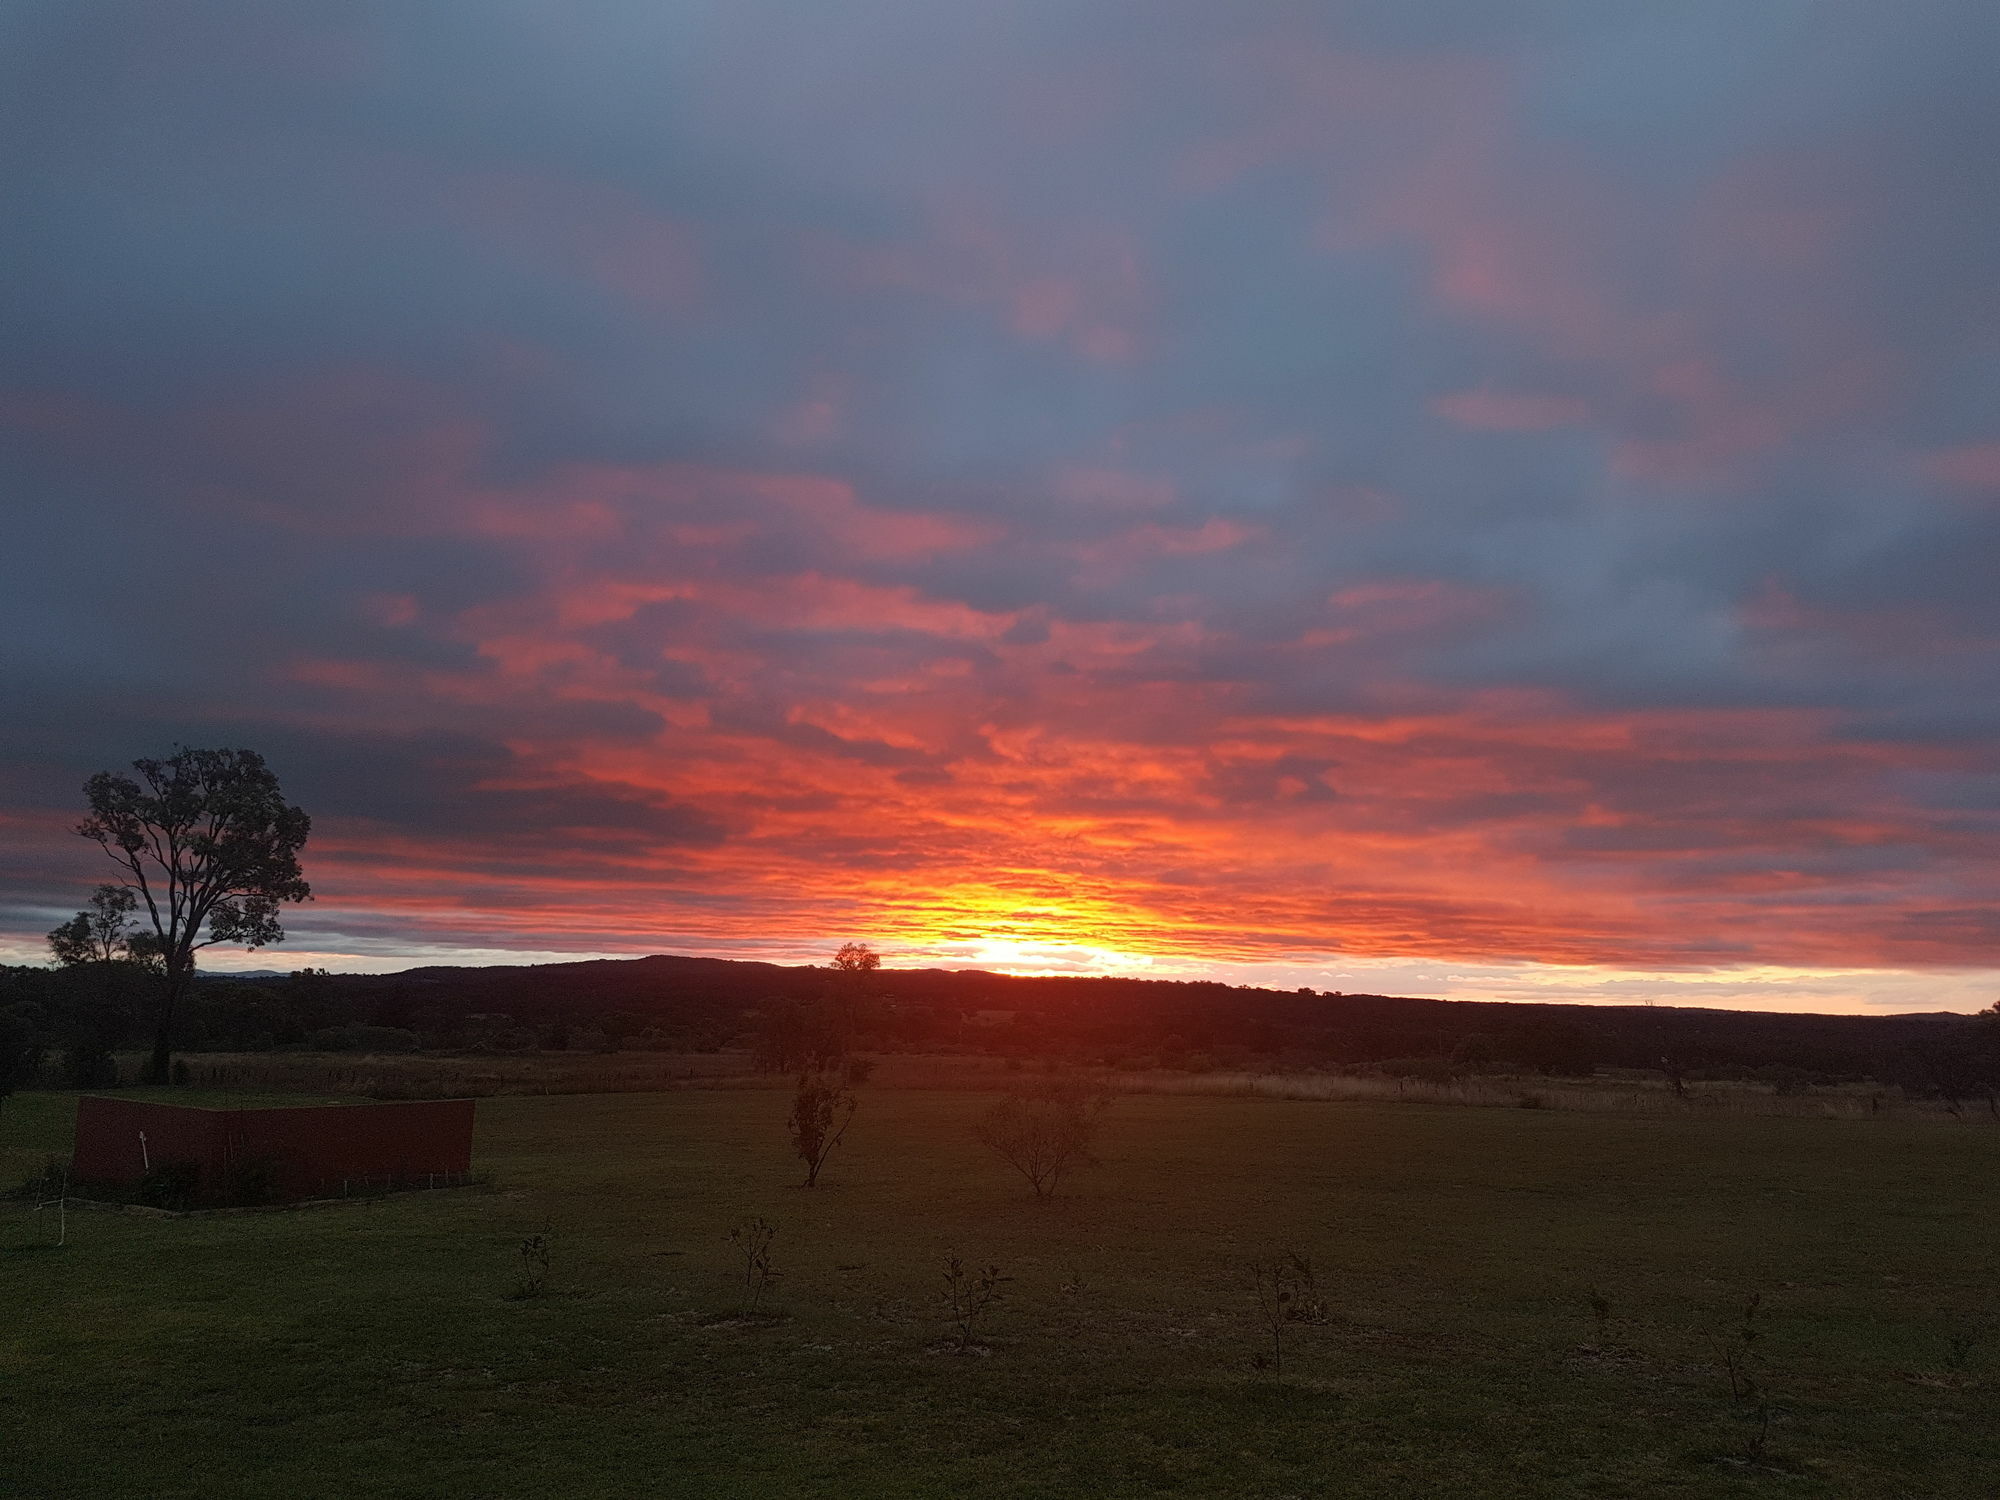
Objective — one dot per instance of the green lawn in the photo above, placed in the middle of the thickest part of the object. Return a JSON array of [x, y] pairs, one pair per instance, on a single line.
[[373, 1350]]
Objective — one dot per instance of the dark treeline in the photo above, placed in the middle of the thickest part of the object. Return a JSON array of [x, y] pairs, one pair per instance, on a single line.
[[789, 1015]]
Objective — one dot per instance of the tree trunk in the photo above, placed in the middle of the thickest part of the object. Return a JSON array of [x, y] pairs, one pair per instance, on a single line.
[[160, 1069]]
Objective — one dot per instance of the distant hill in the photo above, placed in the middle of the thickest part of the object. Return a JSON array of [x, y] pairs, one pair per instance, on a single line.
[[674, 1002], [714, 1001]]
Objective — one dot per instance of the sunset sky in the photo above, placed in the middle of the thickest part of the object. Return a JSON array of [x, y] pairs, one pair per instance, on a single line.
[[1474, 499]]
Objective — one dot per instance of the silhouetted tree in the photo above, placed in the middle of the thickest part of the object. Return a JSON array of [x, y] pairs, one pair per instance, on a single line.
[[799, 1036], [210, 850], [99, 934], [1961, 1064], [1982, 1049], [857, 958], [108, 971], [20, 1053], [236, 1016], [852, 1005], [1553, 1046], [1473, 1052], [815, 1036], [311, 996]]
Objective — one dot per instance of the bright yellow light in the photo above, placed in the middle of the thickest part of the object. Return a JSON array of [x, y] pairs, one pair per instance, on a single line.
[[1050, 958]]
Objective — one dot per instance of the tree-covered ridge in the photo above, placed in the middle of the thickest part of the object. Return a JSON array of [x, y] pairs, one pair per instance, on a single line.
[[794, 1014]]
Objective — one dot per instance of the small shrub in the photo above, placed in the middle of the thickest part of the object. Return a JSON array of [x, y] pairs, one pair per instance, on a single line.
[[1045, 1130], [50, 1180], [822, 1109], [172, 1185], [21, 1048], [1474, 1053], [1600, 1313], [1420, 1069], [88, 1067], [859, 1071], [1960, 1342], [1529, 1101], [251, 1182], [364, 1039], [536, 1253], [1785, 1079], [970, 1292], [752, 1239], [180, 1073]]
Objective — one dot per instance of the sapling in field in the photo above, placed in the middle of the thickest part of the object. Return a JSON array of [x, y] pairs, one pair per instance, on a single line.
[[532, 1279], [1741, 1364], [1287, 1292], [1046, 1130], [1964, 1337], [1600, 1313], [752, 1239], [822, 1109], [1734, 1352], [969, 1294]]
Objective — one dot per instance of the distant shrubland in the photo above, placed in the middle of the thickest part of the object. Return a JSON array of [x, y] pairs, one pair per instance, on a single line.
[[784, 1020]]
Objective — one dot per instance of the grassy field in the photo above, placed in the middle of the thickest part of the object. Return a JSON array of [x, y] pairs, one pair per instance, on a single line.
[[439, 1076], [375, 1350]]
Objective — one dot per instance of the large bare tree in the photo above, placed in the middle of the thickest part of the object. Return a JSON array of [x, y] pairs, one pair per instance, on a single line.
[[210, 848]]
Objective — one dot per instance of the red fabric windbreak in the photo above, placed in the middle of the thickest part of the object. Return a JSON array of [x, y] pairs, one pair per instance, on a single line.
[[302, 1152]]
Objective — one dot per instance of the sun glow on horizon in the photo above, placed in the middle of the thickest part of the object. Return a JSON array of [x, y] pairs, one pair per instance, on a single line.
[[1030, 957]]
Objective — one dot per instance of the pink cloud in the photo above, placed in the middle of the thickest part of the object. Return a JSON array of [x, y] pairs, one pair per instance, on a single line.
[[1114, 489], [1974, 467], [1043, 308], [601, 233], [1080, 283], [1488, 410]]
